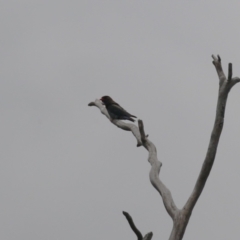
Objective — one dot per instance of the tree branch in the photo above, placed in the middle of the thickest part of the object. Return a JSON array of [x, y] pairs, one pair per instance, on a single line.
[[225, 86], [229, 71], [156, 165], [217, 63], [154, 173], [132, 225], [180, 217], [148, 236]]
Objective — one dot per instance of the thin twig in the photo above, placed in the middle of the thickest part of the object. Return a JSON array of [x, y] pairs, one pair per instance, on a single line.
[[229, 71], [132, 225]]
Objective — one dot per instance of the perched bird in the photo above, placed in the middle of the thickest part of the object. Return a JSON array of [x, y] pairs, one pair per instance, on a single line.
[[115, 110]]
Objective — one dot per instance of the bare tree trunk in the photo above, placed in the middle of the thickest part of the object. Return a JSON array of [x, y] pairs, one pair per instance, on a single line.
[[181, 217]]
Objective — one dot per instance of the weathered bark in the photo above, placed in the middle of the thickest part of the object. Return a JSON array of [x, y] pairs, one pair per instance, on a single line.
[[181, 217], [225, 85], [156, 165], [154, 174]]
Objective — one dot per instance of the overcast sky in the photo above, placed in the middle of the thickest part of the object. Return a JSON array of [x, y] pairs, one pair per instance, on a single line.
[[67, 172]]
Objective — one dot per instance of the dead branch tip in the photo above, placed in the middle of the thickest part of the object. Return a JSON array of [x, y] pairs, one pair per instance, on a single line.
[[229, 71], [148, 236], [132, 225], [91, 104]]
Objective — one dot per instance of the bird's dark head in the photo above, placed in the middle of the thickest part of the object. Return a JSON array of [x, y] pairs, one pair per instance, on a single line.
[[106, 100]]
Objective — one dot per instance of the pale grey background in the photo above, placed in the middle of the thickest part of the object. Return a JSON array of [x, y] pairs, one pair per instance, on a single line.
[[66, 172]]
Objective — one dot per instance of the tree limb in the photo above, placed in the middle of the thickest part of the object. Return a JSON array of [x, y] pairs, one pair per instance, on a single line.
[[229, 72], [217, 63], [148, 236], [154, 173], [156, 165], [225, 86], [132, 225], [180, 217]]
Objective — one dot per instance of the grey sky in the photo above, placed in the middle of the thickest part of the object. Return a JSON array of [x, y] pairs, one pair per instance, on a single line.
[[66, 172]]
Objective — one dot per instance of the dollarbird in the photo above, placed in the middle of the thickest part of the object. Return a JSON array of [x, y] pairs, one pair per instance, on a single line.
[[115, 110]]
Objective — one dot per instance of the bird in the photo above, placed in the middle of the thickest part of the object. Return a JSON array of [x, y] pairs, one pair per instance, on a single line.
[[115, 110]]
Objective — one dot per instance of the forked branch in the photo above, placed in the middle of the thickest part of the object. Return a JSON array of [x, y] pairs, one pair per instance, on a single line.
[[148, 236], [225, 85], [180, 217], [132, 225]]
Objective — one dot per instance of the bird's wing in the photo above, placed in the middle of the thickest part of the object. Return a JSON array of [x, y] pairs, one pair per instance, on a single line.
[[118, 110]]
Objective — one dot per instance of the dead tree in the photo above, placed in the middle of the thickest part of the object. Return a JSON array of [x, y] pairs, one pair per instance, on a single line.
[[180, 217]]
